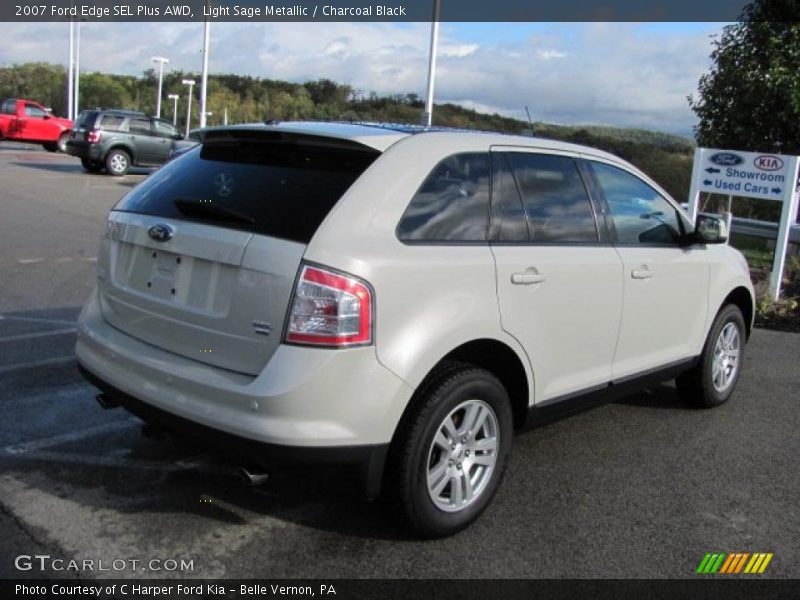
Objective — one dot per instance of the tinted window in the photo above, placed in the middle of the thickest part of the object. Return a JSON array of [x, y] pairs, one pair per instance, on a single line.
[[85, 120], [164, 130], [34, 111], [452, 204], [138, 126], [9, 107], [554, 197], [640, 215], [508, 216], [286, 185], [113, 123]]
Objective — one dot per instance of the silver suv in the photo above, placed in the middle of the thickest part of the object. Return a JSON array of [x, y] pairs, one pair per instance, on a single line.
[[403, 301]]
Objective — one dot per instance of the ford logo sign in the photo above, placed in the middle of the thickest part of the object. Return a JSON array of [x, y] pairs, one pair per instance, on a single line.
[[161, 232], [726, 159]]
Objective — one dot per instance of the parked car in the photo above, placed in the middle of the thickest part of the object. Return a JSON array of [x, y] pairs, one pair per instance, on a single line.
[[355, 294], [28, 121], [117, 140]]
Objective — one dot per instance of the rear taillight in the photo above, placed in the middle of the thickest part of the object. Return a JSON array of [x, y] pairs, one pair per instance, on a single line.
[[330, 309], [93, 136]]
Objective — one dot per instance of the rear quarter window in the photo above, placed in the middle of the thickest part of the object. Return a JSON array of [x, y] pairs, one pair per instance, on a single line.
[[111, 122], [285, 184], [452, 205]]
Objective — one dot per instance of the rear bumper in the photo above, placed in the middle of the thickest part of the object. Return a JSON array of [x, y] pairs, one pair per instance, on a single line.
[[368, 459], [308, 405], [84, 150]]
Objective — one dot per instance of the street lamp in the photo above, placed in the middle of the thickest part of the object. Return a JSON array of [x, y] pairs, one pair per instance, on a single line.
[[161, 62], [427, 118], [190, 83], [174, 98]]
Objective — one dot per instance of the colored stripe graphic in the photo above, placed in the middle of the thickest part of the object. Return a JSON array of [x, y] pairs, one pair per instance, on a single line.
[[734, 563]]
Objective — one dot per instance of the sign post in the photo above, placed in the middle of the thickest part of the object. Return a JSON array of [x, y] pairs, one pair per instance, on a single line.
[[750, 175]]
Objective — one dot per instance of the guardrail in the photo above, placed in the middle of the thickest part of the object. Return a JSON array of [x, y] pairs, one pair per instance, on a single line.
[[763, 229]]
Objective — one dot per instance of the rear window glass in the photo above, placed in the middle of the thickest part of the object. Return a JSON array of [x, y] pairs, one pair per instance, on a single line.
[[273, 184]]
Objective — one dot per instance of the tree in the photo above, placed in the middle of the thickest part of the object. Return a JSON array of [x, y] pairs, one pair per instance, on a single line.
[[750, 100]]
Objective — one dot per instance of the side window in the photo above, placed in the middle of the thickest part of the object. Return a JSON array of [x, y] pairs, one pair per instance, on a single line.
[[164, 130], [555, 199], [9, 107], [508, 216], [112, 122], [139, 126], [34, 111], [453, 203], [639, 213]]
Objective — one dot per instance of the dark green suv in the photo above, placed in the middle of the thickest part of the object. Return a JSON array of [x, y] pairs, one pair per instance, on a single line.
[[116, 140]]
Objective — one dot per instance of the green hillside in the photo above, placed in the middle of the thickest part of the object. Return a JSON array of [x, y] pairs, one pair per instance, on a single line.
[[666, 158]]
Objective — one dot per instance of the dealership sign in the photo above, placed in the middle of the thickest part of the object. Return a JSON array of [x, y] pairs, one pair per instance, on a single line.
[[747, 174], [750, 175]]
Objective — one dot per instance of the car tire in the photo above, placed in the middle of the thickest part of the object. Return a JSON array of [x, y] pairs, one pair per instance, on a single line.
[[441, 472], [61, 144], [118, 162], [92, 166], [713, 380]]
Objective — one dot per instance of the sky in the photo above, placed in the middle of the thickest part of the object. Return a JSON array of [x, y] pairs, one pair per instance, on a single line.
[[622, 74]]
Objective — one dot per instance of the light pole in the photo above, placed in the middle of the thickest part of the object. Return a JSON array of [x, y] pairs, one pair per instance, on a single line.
[[161, 62], [190, 83], [204, 77], [428, 117], [71, 73], [76, 104], [174, 98]]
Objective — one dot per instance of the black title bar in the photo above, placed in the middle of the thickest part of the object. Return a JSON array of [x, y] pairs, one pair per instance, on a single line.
[[371, 10]]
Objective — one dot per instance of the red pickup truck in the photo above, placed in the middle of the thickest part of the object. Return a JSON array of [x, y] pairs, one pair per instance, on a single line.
[[27, 121]]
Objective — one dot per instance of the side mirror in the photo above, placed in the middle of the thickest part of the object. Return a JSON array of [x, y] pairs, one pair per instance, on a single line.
[[709, 229]]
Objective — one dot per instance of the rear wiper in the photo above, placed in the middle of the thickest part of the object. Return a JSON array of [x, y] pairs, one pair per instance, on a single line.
[[210, 208]]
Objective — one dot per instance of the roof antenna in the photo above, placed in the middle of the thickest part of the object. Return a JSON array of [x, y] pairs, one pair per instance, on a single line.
[[530, 122]]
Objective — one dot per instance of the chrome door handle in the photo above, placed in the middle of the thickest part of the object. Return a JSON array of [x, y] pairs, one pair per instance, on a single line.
[[643, 273], [529, 277]]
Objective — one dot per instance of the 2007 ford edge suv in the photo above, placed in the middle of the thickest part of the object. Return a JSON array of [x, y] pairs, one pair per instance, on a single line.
[[403, 301]]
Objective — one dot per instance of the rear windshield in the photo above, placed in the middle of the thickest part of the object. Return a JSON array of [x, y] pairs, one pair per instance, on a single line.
[[86, 119], [273, 184]]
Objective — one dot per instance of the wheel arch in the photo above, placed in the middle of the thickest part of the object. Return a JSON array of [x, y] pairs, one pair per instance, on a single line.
[[120, 146], [498, 358], [742, 298]]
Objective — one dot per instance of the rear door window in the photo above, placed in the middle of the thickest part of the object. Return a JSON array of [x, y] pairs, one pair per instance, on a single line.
[[280, 185], [555, 199], [9, 107], [139, 126], [452, 205]]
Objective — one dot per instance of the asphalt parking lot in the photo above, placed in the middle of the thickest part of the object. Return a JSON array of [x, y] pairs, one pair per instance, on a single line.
[[643, 487]]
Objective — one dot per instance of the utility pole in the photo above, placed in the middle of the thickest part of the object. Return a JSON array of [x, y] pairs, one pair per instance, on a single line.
[[76, 104]]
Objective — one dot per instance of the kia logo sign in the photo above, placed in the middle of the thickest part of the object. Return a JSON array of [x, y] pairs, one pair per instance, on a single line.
[[768, 162], [726, 159], [161, 232]]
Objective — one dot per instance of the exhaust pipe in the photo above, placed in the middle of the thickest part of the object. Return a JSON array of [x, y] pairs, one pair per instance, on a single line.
[[105, 401], [252, 477]]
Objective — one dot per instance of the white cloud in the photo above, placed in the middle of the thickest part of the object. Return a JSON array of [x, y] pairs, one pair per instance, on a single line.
[[621, 74]]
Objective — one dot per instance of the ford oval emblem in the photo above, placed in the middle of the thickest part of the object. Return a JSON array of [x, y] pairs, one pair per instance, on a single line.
[[726, 159], [161, 232]]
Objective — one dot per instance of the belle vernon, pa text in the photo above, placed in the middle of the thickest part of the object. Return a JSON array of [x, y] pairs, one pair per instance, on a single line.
[[209, 590]]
